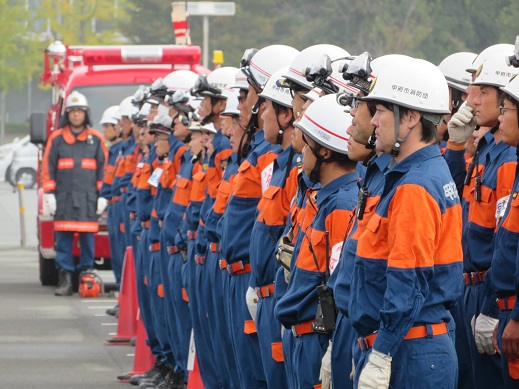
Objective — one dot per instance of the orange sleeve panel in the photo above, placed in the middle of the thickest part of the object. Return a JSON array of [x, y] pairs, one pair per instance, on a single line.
[[109, 174], [199, 186], [416, 227], [177, 160], [265, 160], [169, 175], [49, 164], [247, 183], [505, 179], [273, 207], [120, 168]]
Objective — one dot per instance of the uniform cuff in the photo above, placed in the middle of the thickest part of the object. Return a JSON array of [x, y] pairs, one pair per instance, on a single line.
[[454, 146], [515, 312], [489, 307], [387, 343]]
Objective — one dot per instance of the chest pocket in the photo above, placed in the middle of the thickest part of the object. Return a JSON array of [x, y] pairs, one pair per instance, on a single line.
[[199, 186], [224, 192], [483, 212], [247, 183], [271, 210], [182, 191]]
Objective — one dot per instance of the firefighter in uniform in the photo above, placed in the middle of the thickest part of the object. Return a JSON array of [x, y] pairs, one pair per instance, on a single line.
[[503, 272], [72, 171], [408, 265]]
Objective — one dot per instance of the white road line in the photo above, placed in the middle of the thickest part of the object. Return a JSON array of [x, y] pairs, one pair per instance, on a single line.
[[108, 324], [101, 307]]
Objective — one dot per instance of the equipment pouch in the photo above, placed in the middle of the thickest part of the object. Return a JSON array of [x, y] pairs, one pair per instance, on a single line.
[[326, 314]]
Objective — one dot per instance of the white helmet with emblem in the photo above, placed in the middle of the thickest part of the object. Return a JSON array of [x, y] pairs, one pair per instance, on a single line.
[[111, 115], [276, 89], [76, 100], [495, 72]]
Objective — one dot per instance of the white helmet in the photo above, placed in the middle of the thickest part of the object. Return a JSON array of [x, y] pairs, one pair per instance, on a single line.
[[221, 78], [495, 72], [145, 110], [512, 89], [126, 108], [262, 64], [491, 51], [111, 115], [412, 83], [454, 68], [307, 57], [180, 80], [76, 100], [161, 124], [276, 89], [326, 123], [208, 127], [240, 81], [231, 108]]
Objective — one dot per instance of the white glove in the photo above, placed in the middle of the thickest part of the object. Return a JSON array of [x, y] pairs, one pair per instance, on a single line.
[[376, 373], [462, 124], [252, 302], [325, 374], [49, 204], [483, 331], [101, 205]]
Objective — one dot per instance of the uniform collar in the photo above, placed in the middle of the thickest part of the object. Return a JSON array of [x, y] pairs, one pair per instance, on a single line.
[[497, 149], [335, 185], [282, 159], [70, 138], [381, 161], [421, 155], [257, 138]]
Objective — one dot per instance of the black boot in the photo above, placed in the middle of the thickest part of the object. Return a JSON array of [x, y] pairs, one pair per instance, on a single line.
[[64, 284]]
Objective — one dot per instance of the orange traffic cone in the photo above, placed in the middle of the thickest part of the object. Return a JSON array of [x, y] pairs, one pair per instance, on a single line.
[[194, 381], [143, 359], [127, 322]]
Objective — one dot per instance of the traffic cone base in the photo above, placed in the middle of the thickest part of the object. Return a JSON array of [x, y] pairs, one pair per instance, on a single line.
[[143, 359], [194, 381], [127, 321]]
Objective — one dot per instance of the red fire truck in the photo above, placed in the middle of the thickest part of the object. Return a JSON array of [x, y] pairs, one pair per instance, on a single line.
[[105, 75]]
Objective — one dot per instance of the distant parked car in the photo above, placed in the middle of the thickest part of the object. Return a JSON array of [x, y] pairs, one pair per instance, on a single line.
[[24, 164], [6, 158]]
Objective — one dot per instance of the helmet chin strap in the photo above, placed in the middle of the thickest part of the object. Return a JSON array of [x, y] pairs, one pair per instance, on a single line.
[[371, 141], [399, 141], [246, 139]]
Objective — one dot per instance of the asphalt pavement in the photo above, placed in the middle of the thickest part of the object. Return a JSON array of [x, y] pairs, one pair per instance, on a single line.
[[48, 341]]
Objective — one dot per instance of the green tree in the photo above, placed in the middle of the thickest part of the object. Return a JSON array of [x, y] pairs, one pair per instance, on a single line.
[[76, 22], [18, 52]]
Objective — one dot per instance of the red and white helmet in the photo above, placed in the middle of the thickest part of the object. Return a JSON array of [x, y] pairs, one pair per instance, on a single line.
[[261, 65], [240, 81], [309, 56], [326, 122], [180, 80], [454, 68]]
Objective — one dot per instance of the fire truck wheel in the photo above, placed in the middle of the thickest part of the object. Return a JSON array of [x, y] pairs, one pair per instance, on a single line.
[[48, 272]]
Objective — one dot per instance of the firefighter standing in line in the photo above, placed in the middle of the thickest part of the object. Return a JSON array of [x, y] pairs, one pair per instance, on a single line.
[[408, 265], [73, 168]]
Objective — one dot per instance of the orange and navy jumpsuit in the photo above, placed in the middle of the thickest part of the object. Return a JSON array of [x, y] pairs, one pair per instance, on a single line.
[[303, 209], [157, 276], [273, 210], [407, 273], [114, 152], [343, 336], [319, 248], [253, 178], [220, 283], [73, 168], [206, 271], [494, 165], [504, 278]]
